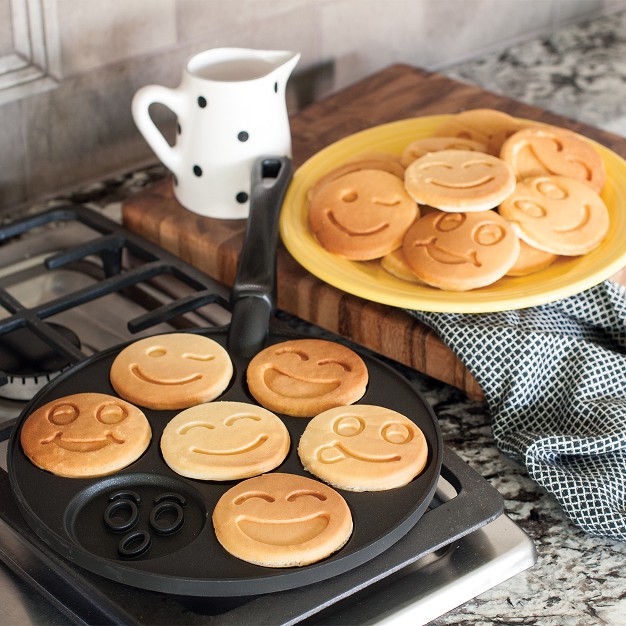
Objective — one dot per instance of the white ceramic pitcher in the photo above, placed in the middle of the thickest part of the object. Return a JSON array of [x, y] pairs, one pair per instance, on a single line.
[[231, 109]]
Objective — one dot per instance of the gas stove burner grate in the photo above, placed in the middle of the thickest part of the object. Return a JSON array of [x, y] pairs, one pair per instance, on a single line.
[[121, 262], [29, 362]]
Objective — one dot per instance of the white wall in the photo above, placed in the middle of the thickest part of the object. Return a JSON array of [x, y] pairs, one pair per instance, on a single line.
[[69, 68]]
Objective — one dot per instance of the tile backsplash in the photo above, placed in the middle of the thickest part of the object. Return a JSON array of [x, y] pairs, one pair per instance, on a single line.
[[68, 70]]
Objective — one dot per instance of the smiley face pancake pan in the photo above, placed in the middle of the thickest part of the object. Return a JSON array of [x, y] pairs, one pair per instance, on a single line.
[[149, 527]]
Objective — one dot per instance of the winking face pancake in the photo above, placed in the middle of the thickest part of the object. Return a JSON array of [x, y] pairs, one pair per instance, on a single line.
[[362, 216], [172, 371]]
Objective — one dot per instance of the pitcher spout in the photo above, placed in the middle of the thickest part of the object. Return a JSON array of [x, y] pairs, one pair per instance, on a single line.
[[284, 62]]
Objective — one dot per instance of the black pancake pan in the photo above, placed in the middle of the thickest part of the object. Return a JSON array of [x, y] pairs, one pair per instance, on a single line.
[[148, 527]]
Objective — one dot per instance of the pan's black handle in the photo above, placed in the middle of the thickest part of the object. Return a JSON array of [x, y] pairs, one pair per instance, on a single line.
[[253, 293]]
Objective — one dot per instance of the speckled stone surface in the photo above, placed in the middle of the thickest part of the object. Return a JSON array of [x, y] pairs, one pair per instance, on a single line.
[[578, 72], [578, 580]]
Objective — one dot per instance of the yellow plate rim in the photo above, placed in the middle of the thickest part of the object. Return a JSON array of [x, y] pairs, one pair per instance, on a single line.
[[368, 280]]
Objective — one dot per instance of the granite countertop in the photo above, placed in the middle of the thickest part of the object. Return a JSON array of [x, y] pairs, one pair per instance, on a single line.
[[578, 72]]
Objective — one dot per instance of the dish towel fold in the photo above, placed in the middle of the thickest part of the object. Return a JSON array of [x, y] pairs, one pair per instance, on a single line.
[[554, 379]]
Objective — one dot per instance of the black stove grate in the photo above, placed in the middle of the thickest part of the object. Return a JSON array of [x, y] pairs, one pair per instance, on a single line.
[[112, 244]]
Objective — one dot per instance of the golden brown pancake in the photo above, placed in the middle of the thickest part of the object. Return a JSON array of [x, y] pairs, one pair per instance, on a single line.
[[85, 434], [459, 180], [559, 215], [282, 520], [303, 377], [362, 215], [461, 251], [363, 448], [224, 441], [554, 151], [171, 371]]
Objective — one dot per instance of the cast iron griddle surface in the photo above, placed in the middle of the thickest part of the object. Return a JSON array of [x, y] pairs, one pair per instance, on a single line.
[[68, 513]]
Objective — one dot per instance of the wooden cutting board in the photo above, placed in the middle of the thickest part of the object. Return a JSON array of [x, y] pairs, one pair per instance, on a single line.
[[397, 92]]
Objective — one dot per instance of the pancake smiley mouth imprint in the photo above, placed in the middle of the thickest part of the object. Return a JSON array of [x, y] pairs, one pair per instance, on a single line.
[[82, 445]]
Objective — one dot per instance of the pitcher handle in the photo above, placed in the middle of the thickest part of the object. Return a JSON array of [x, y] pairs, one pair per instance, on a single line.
[[174, 100]]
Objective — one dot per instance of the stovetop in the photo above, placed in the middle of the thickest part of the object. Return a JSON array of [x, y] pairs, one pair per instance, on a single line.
[[73, 283]]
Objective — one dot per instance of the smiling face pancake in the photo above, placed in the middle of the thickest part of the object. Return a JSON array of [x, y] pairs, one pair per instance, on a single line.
[[224, 441], [85, 434], [554, 151], [461, 251], [459, 180], [303, 377], [172, 371], [363, 448], [558, 215], [362, 215], [282, 520]]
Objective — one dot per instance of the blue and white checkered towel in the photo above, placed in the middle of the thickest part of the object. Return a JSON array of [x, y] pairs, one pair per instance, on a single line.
[[554, 378]]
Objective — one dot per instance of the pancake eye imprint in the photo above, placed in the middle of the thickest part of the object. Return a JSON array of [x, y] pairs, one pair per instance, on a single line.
[[185, 429], [437, 164], [250, 496], [302, 494], [299, 353], [111, 413], [558, 146], [350, 196], [63, 414], [387, 201], [529, 208], [489, 234], [551, 190], [229, 421], [450, 221], [397, 433], [349, 426], [205, 358], [344, 366], [156, 352], [469, 164]]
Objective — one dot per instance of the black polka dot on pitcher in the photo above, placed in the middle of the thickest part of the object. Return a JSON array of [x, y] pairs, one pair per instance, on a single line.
[[202, 102], [179, 130], [197, 170], [243, 136], [241, 197], [275, 87]]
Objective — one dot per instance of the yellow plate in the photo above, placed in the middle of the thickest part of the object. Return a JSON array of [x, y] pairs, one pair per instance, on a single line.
[[368, 280]]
